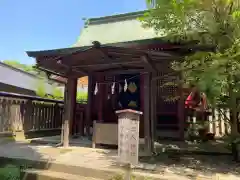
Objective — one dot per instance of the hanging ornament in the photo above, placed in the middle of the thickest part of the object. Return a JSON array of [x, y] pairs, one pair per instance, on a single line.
[[113, 88], [125, 86], [132, 87], [96, 89], [120, 88]]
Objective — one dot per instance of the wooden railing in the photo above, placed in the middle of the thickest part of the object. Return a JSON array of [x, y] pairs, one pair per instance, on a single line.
[[217, 121], [29, 113]]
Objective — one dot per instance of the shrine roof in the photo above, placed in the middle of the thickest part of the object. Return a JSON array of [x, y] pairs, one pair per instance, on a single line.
[[115, 29], [98, 58]]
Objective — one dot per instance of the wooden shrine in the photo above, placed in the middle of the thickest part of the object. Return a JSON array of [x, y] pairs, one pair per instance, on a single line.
[[144, 68]]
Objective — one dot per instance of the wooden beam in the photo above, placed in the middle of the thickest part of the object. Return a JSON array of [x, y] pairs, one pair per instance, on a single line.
[[73, 106], [89, 104], [153, 109], [120, 70], [69, 100], [149, 63], [106, 64], [100, 95], [159, 53], [181, 108], [50, 71], [56, 68], [155, 78], [146, 114], [69, 68]]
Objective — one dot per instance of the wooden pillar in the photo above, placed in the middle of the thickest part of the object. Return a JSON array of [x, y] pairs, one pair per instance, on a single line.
[[73, 122], [141, 126], [181, 117], [101, 95], [153, 109], [89, 104], [69, 100], [146, 115]]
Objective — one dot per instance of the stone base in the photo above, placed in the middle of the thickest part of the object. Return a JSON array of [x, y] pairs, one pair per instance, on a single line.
[[19, 136]]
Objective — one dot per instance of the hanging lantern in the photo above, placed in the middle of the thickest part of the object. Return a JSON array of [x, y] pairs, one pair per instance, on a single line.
[[125, 86], [113, 88], [96, 89]]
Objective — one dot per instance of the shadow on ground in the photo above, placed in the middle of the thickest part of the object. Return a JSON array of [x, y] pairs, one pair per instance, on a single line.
[[189, 162], [190, 159], [178, 159], [17, 156]]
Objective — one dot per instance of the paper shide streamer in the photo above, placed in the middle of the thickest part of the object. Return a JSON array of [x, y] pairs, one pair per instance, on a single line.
[[125, 86], [96, 89]]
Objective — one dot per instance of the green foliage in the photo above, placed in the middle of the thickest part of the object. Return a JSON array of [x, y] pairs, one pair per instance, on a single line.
[[57, 94], [208, 22], [214, 22], [9, 172], [82, 96], [41, 91]]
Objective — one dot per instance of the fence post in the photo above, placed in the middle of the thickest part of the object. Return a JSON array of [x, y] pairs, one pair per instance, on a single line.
[[57, 117], [210, 126], [217, 122], [5, 113]]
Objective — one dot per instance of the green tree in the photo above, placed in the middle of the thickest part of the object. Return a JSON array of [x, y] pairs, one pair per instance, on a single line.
[[210, 23], [41, 90]]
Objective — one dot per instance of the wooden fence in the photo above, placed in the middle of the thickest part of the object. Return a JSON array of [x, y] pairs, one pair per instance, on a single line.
[[28, 113], [217, 121]]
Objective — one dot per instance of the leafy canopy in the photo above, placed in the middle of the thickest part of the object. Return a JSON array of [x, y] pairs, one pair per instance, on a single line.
[[215, 22], [209, 22]]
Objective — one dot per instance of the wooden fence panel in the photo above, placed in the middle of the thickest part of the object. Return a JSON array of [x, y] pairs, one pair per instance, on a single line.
[[28, 115], [217, 121]]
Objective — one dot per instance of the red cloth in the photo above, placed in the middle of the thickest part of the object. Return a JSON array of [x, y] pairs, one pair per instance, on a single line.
[[190, 103]]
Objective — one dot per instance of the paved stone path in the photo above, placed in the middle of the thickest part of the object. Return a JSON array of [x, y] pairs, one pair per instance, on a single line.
[[167, 167]]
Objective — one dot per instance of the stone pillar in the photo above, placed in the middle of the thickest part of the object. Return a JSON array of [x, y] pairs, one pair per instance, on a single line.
[[128, 136]]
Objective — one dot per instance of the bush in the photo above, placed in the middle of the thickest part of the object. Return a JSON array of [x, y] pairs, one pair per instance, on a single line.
[[10, 172]]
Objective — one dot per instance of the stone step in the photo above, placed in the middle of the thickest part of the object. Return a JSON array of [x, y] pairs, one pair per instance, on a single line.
[[34, 174]]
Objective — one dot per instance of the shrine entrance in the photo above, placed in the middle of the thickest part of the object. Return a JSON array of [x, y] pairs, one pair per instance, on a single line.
[[129, 93]]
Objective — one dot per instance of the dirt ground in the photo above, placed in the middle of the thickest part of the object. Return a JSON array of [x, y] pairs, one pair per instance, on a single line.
[[193, 166]]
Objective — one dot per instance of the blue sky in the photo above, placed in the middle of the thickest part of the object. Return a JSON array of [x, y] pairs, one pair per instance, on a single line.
[[49, 24]]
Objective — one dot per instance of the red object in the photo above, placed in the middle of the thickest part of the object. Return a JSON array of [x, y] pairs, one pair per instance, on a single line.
[[188, 101]]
